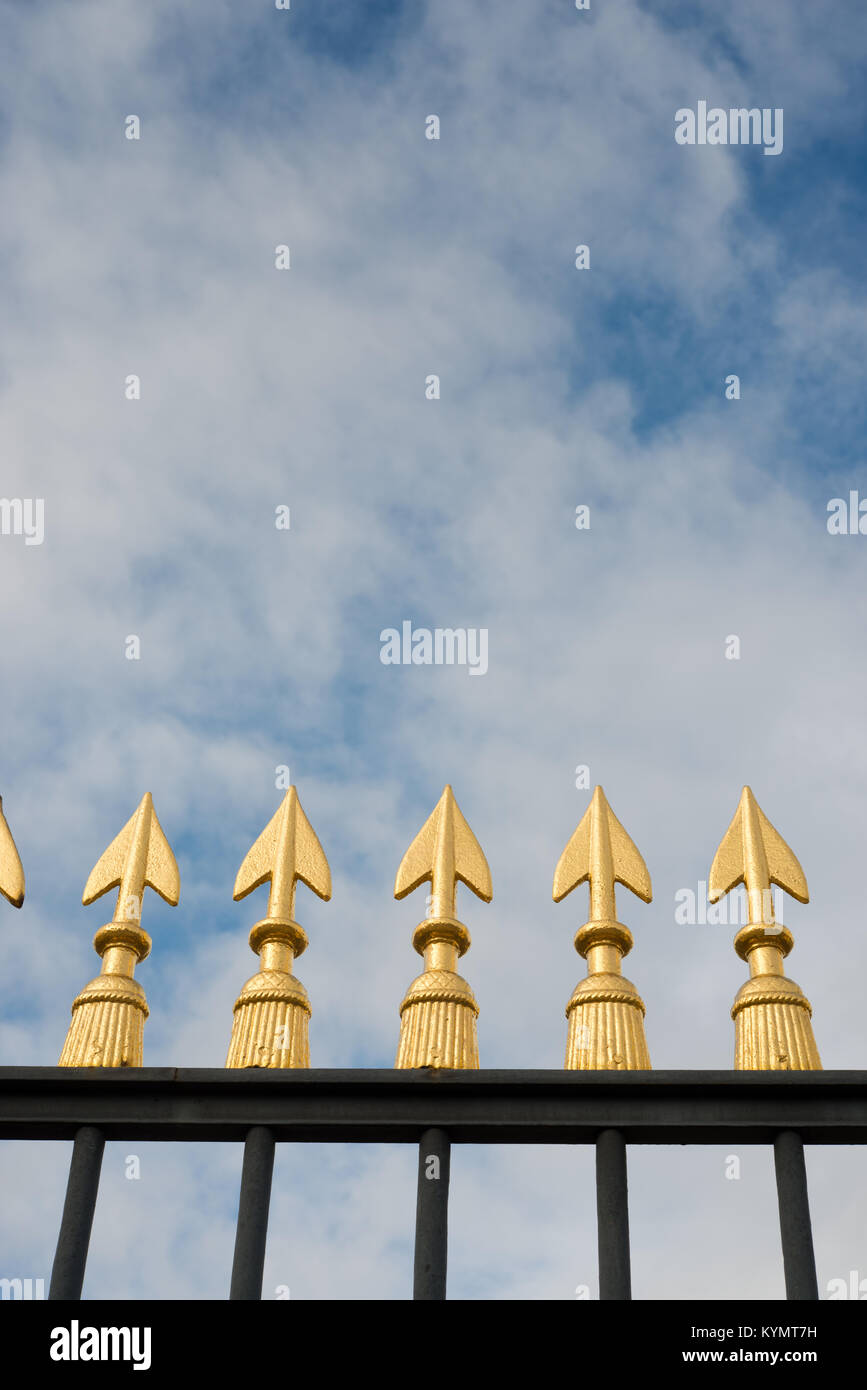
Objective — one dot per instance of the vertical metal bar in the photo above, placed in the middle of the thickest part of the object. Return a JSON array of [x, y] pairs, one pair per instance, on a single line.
[[432, 1216], [612, 1216], [799, 1262], [70, 1257], [252, 1229]]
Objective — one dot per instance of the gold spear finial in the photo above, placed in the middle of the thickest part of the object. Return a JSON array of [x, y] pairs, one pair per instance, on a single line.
[[772, 1016], [600, 850], [11, 872], [139, 857], [445, 852], [606, 1012], [439, 1012], [272, 1012], [108, 1016]]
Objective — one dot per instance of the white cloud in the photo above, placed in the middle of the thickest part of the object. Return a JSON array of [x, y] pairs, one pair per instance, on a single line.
[[262, 647]]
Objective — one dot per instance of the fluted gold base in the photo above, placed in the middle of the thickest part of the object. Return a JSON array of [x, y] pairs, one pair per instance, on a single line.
[[773, 1031], [606, 1012], [772, 1015], [438, 1023], [107, 1028], [606, 1026], [272, 1012], [271, 1022]]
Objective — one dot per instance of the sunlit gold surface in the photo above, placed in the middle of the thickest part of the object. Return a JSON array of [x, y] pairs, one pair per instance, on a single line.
[[438, 1014], [108, 1016], [11, 872], [772, 1016], [606, 1012], [272, 1012]]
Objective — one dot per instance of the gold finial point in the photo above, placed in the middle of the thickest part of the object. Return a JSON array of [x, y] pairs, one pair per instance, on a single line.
[[600, 850], [108, 1015], [11, 872], [752, 852], [139, 857], [438, 1013], [606, 1012], [773, 1031], [288, 850], [445, 851], [272, 1012]]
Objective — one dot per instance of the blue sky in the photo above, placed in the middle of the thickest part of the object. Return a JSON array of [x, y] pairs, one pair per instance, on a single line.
[[261, 647]]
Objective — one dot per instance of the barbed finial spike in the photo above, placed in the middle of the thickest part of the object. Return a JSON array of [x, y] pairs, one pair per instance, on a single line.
[[773, 1031], [108, 1015], [438, 1014], [11, 872], [272, 1012], [606, 1012]]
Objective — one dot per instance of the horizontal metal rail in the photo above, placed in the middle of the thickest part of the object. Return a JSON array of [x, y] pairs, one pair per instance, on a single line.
[[471, 1107], [434, 1109]]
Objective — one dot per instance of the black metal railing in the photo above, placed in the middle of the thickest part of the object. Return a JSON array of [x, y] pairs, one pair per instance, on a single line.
[[434, 1109]]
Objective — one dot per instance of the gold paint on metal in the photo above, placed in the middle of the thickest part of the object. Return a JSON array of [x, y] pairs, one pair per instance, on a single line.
[[272, 1012], [606, 1012], [772, 1016], [108, 1016], [11, 872], [438, 1014]]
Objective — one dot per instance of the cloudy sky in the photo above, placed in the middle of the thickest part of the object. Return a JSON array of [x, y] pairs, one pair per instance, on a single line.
[[259, 647]]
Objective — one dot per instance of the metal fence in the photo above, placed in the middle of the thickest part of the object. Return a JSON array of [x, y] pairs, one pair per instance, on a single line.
[[434, 1109]]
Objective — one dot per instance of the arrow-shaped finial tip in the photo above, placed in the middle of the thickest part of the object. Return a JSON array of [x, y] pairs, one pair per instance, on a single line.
[[286, 851], [445, 851], [754, 853], [11, 872], [600, 850]]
